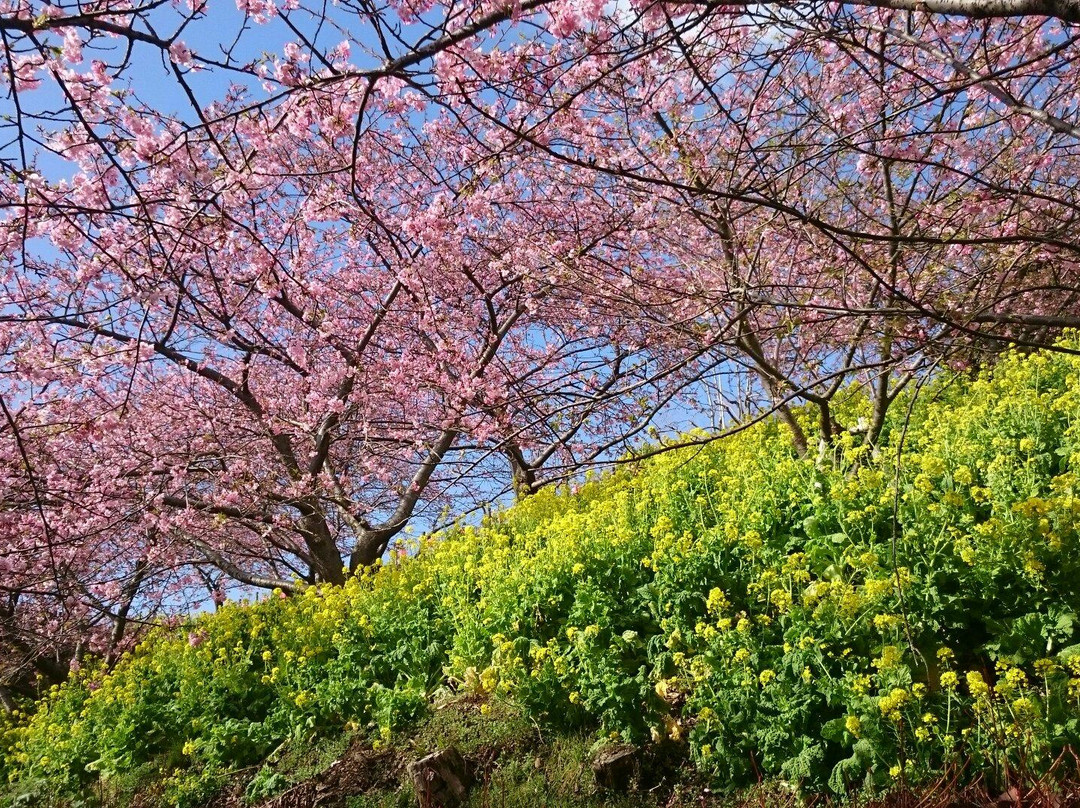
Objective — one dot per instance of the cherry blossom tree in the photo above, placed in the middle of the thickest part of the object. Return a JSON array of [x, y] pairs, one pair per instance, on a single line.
[[876, 193], [258, 357]]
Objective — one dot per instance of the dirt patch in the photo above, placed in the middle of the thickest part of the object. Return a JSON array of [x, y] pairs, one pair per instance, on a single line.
[[359, 770]]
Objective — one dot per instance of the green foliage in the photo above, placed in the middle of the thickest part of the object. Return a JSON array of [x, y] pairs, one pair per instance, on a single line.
[[831, 622]]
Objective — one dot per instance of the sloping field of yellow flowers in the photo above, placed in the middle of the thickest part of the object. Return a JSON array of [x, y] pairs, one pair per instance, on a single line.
[[833, 622]]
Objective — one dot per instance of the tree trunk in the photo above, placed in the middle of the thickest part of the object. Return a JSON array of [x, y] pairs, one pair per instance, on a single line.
[[522, 474]]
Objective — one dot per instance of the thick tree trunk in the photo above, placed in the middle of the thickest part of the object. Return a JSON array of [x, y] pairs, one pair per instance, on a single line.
[[369, 549], [523, 475], [326, 561]]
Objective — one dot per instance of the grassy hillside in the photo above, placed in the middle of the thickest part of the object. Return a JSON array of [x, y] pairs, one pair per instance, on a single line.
[[830, 621]]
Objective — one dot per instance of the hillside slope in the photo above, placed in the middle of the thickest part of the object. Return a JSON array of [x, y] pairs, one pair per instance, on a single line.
[[859, 618]]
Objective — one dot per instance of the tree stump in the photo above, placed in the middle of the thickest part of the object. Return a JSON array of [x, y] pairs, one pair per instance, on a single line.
[[441, 779], [616, 767]]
